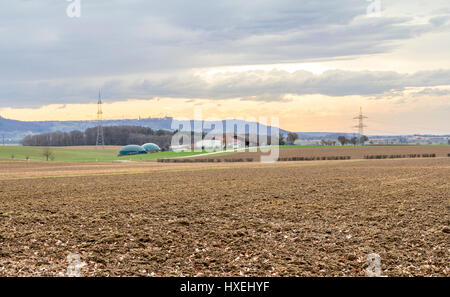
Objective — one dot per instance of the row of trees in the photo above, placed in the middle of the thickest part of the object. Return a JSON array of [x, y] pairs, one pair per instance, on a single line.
[[292, 137], [354, 140], [113, 135], [123, 135], [328, 142]]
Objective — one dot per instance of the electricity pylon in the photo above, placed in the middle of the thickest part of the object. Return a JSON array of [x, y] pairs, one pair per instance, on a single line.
[[360, 125], [100, 138]]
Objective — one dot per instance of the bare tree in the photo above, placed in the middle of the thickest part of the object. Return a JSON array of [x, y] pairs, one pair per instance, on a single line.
[[363, 139], [326, 142], [48, 154], [291, 138], [343, 140]]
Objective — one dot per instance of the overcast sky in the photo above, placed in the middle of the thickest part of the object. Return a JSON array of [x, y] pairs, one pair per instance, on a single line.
[[317, 59]]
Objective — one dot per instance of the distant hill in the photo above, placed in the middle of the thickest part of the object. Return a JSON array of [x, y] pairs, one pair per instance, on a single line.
[[7, 125], [14, 131]]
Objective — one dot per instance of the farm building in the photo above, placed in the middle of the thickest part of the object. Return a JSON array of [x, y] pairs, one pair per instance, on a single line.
[[151, 147], [209, 144], [218, 143], [236, 143], [132, 150]]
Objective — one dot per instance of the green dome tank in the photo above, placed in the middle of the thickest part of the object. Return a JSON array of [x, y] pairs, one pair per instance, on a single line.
[[132, 150], [151, 147]]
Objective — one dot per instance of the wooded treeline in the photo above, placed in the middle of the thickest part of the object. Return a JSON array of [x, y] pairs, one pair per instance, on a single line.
[[113, 135]]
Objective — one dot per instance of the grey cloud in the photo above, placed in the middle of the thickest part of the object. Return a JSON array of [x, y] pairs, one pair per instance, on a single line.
[[46, 57], [332, 83], [122, 37], [248, 85], [440, 20], [271, 84], [432, 92]]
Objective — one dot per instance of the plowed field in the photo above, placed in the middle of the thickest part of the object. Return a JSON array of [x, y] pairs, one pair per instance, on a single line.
[[285, 219]]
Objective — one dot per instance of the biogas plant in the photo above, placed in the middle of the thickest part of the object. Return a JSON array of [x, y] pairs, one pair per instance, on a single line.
[[139, 149]]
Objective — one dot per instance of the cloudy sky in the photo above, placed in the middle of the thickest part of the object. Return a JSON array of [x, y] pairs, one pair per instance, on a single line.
[[310, 63]]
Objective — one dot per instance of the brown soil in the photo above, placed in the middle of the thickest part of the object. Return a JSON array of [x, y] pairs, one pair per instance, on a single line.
[[284, 219], [11, 170]]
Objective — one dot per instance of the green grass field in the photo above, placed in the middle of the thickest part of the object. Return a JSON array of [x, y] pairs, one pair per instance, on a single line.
[[71, 154], [108, 154], [89, 154]]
